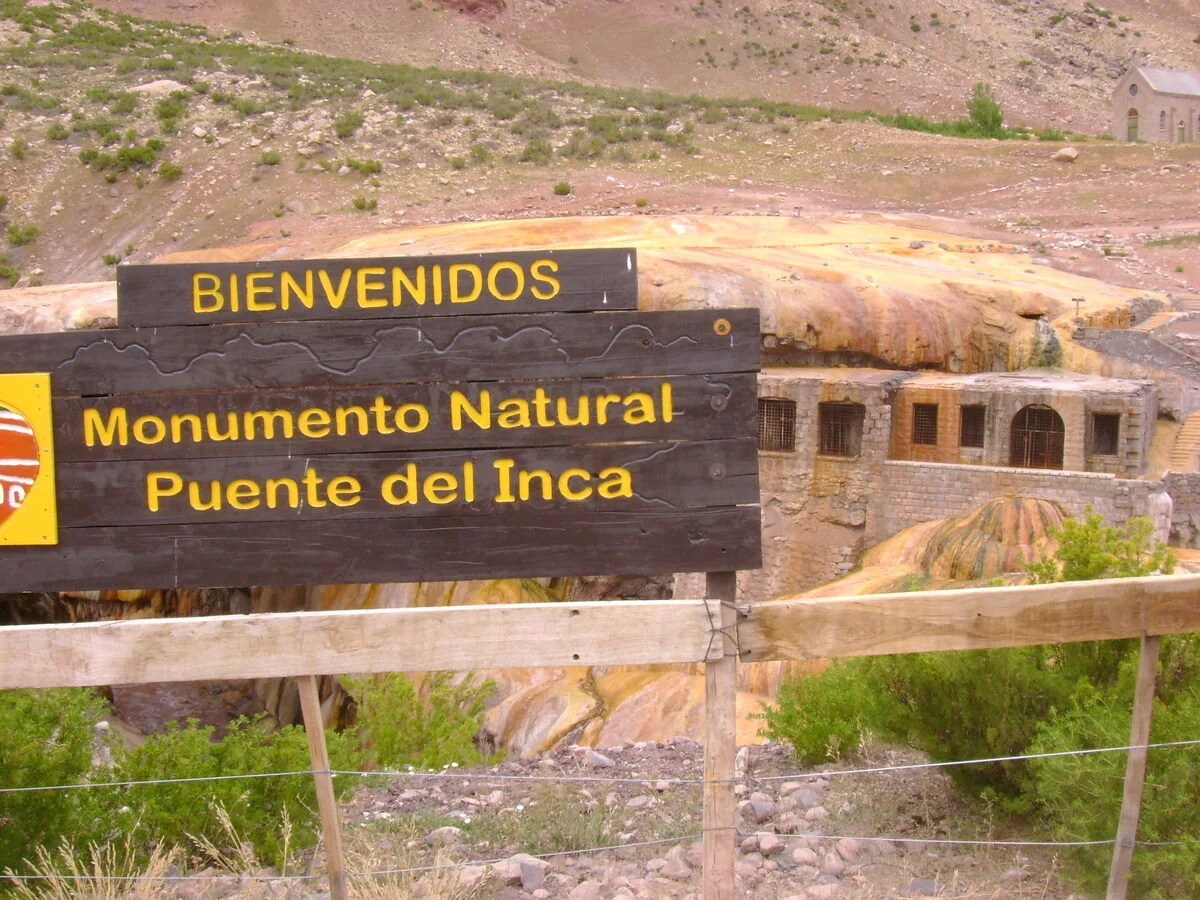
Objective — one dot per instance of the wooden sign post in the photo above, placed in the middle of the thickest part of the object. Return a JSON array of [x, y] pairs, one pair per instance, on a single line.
[[383, 420]]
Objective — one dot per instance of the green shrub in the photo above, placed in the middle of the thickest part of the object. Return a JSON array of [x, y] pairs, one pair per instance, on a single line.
[[562, 188], [18, 149], [176, 812], [457, 163], [269, 158], [21, 234], [364, 204], [820, 717], [537, 151], [398, 726], [984, 111], [480, 154], [981, 703], [347, 123], [58, 131], [1081, 795], [365, 166], [47, 740], [170, 171]]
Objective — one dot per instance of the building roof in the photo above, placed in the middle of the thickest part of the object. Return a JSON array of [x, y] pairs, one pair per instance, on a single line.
[[1169, 81]]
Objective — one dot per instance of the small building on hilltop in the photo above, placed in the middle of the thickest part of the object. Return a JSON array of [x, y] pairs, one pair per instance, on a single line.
[[1157, 105]]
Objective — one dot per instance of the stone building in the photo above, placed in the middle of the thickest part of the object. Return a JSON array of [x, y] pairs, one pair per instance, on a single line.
[[849, 456], [1157, 105]]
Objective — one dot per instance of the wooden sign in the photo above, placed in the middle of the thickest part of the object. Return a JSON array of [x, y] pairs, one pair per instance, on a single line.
[[388, 288], [435, 448]]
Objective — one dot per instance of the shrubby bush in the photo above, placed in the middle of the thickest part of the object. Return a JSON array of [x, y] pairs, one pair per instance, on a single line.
[[991, 703], [398, 726], [46, 739]]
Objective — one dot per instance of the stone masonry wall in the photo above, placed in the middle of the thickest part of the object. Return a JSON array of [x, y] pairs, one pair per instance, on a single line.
[[914, 492]]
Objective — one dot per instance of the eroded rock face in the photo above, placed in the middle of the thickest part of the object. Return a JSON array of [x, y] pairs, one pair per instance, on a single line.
[[481, 9]]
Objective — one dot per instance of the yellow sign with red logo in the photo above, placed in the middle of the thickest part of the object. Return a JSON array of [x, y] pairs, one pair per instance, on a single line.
[[28, 510]]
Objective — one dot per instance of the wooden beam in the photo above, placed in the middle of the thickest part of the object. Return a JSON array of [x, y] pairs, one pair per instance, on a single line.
[[720, 741], [331, 826], [970, 619], [278, 645], [1135, 770]]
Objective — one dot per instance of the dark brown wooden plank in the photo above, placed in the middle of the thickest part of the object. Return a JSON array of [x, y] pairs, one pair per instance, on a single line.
[[702, 408], [501, 283], [413, 485], [361, 551], [460, 348]]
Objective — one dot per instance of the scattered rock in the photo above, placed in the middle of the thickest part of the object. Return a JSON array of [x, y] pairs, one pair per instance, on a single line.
[[1066, 154], [595, 760]]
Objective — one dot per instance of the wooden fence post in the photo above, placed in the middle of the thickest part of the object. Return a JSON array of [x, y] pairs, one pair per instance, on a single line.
[[1135, 769], [720, 741], [314, 726]]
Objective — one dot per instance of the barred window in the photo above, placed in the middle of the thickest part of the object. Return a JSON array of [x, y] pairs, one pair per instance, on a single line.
[[1106, 427], [841, 427], [1037, 438], [970, 425], [925, 426], [776, 424]]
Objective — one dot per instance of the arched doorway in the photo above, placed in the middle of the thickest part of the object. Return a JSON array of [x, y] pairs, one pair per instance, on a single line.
[[1037, 438], [1132, 124]]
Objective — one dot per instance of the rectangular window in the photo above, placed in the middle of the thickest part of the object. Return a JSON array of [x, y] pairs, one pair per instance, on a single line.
[[1106, 428], [970, 425], [841, 426], [924, 429], [776, 424]]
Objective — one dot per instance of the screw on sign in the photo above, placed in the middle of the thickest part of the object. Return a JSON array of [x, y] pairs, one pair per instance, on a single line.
[[18, 460]]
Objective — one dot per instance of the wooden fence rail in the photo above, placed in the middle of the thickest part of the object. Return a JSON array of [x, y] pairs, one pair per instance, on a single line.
[[533, 635]]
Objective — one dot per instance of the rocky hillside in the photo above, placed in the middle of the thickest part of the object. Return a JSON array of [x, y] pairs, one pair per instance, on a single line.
[[1051, 61]]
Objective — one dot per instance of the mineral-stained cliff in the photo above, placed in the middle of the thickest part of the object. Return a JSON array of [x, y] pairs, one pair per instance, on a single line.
[[876, 290]]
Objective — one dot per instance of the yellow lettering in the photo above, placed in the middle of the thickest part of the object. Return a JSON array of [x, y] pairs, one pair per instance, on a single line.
[[409, 410], [513, 413], [457, 269], [460, 403], [344, 490], [582, 412], [242, 493], [400, 281], [494, 282], [254, 287], [469, 482], [437, 285], [149, 429], [312, 482], [116, 428], [615, 482], [365, 300], [268, 417], [342, 420], [190, 419], [288, 285], [335, 296], [525, 479], [159, 485], [503, 469], [603, 402], [639, 409], [441, 488], [214, 434], [289, 484], [206, 285], [198, 503], [313, 423], [564, 484], [668, 411], [409, 482], [553, 285]]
